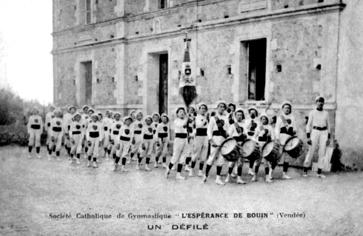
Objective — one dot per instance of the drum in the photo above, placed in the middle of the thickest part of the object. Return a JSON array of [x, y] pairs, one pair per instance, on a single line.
[[271, 152], [230, 150], [294, 147], [251, 150]]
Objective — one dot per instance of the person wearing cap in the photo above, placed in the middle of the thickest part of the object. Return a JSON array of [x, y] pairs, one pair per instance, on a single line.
[[35, 129], [57, 132], [238, 132], [147, 144], [217, 133], [231, 113], [251, 124], [264, 134], [284, 129], [191, 134], [200, 149], [155, 122], [137, 125], [67, 120], [133, 114], [114, 133], [94, 136], [180, 143], [123, 147], [76, 134], [107, 122], [48, 118], [318, 134], [162, 141]]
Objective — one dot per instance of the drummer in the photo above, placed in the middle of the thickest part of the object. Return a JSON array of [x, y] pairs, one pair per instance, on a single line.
[[237, 131], [251, 124], [264, 134], [217, 133], [284, 129]]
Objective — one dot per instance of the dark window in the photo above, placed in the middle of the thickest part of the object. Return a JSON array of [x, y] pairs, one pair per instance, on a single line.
[[86, 82], [256, 72], [162, 4]]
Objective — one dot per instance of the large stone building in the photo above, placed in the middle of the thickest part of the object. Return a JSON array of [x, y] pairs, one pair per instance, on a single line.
[[127, 54]]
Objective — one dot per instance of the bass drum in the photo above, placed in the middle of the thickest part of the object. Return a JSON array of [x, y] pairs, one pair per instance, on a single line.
[[271, 152], [294, 147], [230, 150], [251, 150]]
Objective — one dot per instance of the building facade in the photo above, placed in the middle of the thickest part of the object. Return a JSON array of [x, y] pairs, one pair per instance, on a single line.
[[127, 54]]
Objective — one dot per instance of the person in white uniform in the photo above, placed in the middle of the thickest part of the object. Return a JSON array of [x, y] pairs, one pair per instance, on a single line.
[[318, 134]]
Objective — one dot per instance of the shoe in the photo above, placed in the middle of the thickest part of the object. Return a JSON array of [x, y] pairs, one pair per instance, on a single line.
[[147, 168], [285, 176], [137, 166], [165, 166], [233, 175], [78, 162], [115, 168], [179, 177], [187, 168], [123, 169], [156, 165], [219, 181], [254, 178], [228, 178], [191, 173], [268, 180], [128, 161], [240, 180], [321, 176], [49, 157], [29, 155], [95, 164], [200, 173], [167, 172], [39, 156], [250, 172], [305, 174], [88, 164], [204, 179]]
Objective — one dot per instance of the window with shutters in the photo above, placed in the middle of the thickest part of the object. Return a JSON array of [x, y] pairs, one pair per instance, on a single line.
[[88, 12]]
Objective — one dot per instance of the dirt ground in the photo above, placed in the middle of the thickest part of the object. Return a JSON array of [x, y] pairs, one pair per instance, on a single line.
[[33, 190]]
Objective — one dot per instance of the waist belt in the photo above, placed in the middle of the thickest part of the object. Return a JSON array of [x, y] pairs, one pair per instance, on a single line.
[[181, 135], [288, 131], [137, 132], [57, 129], [201, 132], [263, 139], [217, 133], [115, 132], [76, 132], [94, 134], [105, 128], [122, 138], [148, 136], [162, 135], [35, 126], [320, 128]]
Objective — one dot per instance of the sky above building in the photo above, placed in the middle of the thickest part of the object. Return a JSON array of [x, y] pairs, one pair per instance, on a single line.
[[25, 29]]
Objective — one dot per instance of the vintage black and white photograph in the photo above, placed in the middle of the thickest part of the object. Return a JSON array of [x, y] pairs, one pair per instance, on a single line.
[[181, 117]]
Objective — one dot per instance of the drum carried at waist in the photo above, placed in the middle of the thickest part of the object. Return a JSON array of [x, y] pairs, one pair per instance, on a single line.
[[271, 152], [230, 150], [251, 150], [294, 147]]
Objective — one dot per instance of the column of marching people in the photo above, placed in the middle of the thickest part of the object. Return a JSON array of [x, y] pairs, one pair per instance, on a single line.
[[201, 139]]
